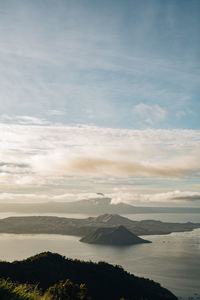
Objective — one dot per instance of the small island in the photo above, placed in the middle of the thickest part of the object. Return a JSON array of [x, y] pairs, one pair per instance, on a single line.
[[117, 235]]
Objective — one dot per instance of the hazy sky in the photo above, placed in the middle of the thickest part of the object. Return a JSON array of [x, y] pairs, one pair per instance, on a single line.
[[100, 96]]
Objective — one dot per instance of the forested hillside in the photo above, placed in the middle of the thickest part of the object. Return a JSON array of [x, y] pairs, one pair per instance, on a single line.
[[103, 281]]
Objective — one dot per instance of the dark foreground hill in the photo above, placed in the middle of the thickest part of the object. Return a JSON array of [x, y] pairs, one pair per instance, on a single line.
[[103, 281], [118, 235]]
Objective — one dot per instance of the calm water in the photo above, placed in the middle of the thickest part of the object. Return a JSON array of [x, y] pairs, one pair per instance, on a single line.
[[173, 260]]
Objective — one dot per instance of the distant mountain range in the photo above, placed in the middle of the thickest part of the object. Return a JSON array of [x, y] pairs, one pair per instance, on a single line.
[[97, 206], [82, 227]]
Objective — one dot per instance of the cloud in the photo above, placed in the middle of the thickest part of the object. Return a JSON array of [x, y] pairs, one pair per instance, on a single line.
[[46, 69], [55, 112], [100, 167], [150, 114], [14, 168], [171, 197], [24, 120], [175, 196], [120, 196], [85, 157], [30, 120], [183, 113], [187, 197], [44, 197]]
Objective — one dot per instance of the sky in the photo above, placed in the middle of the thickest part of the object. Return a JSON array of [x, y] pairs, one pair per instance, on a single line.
[[100, 96]]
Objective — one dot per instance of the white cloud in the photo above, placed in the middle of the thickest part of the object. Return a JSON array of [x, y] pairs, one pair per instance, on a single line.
[[171, 197], [66, 162], [24, 120], [55, 112], [183, 113], [94, 151], [120, 196], [30, 120], [5, 117], [49, 64], [150, 114], [44, 197]]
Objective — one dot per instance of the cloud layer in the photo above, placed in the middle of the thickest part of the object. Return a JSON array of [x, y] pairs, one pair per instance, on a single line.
[[66, 164], [58, 160], [120, 196], [168, 197], [108, 65]]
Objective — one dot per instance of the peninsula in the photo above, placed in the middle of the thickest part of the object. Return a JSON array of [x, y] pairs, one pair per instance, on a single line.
[[82, 227]]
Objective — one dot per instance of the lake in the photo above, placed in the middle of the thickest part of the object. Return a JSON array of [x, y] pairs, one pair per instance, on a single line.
[[173, 260]]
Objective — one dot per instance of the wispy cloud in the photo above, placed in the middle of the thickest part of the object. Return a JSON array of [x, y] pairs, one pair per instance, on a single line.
[[170, 197], [76, 63], [55, 112], [183, 113], [49, 154], [150, 114], [100, 167], [87, 68], [120, 196], [25, 120]]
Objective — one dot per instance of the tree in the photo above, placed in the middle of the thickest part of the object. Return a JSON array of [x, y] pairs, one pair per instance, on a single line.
[[66, 290]]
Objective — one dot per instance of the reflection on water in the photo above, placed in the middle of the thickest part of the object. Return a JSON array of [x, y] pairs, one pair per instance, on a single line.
[[173, 260]]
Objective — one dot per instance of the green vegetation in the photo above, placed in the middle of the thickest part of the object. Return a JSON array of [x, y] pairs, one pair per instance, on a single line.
[[64, 290], [49, 271], [16, 291]]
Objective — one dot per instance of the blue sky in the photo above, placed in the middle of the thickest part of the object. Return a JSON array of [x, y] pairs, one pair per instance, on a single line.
[[119, 69], [97, 61]]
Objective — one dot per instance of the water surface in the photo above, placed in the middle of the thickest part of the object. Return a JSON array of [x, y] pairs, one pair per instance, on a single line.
[[173, 260]]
